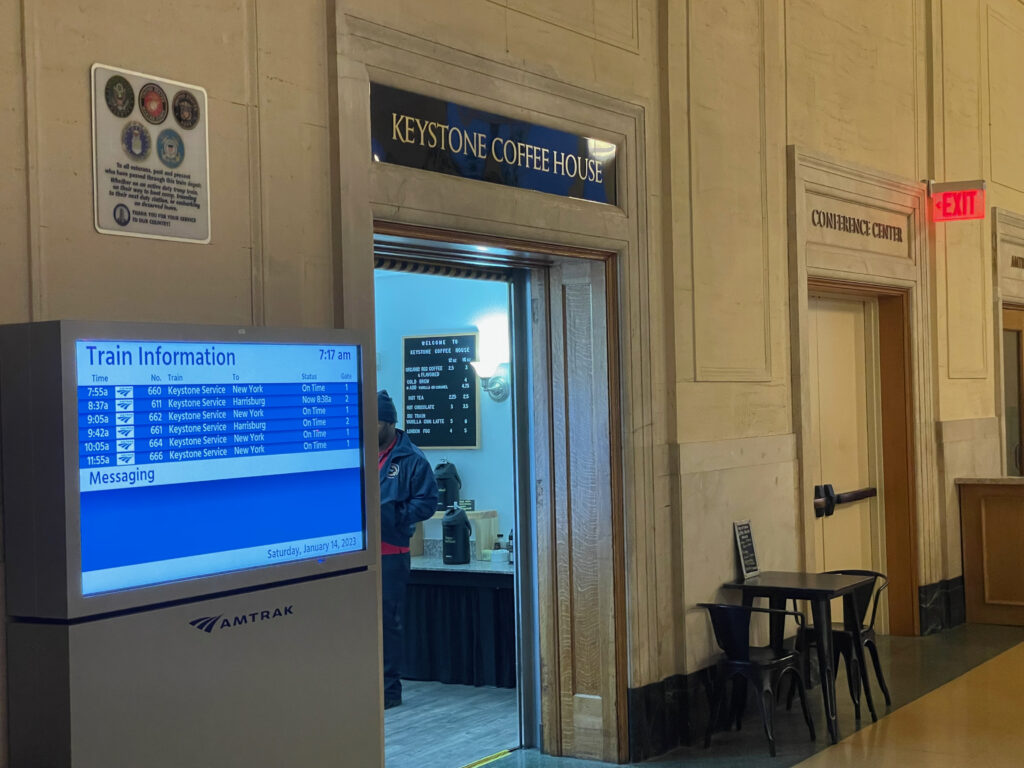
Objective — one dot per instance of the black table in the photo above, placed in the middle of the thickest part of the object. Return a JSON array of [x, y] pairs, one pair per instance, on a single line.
[[819, 589], [460, 625]]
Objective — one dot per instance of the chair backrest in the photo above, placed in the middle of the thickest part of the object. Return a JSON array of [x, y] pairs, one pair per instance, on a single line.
[[863, 594], [731, 624]]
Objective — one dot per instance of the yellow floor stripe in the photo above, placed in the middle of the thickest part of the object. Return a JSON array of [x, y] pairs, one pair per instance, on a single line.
[[488, 760]]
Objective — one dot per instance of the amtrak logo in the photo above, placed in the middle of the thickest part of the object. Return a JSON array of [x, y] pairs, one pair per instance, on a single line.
[[209, 623], [393, 471]]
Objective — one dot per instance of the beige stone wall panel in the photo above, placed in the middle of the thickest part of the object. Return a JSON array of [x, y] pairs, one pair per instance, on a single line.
[[269, 166], [729, 188], [606, 45], [729, 222], [1005, 26], [14, 245], [294, 209], [83, 274], [749, 479], [967, 448], [609, 21], [962, 272], [854, 76]]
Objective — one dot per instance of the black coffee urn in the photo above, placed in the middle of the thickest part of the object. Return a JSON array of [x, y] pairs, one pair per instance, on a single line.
[[455, 530]]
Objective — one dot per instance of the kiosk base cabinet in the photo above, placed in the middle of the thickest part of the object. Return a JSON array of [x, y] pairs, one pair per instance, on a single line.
[[271, 677]]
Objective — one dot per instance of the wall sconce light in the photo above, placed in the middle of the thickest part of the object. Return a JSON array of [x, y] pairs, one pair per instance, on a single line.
[[493, 379]]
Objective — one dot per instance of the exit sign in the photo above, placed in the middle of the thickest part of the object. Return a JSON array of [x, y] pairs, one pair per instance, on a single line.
[[958, 200]]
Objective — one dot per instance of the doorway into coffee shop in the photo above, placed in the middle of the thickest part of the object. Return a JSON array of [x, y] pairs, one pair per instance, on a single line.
[[444, 354], [498, 360]]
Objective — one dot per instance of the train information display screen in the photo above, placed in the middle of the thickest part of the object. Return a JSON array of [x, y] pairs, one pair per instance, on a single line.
[[198, 458]]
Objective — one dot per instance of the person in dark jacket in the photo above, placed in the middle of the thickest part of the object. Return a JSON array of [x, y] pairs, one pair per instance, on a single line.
[[408, 494]]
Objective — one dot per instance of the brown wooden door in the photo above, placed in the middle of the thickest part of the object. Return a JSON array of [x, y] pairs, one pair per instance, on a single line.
[[576, 567]]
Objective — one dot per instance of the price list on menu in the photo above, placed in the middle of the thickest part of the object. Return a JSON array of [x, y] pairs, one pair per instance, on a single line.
[[440, 391], [124, 425]]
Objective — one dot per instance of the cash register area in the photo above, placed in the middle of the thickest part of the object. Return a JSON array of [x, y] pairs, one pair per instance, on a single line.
[[460, 684]]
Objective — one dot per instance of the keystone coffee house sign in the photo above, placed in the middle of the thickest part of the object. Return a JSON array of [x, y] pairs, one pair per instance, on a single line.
[[433, 135]]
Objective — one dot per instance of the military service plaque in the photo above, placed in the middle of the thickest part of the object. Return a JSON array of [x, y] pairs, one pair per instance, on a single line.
[[149, 182]]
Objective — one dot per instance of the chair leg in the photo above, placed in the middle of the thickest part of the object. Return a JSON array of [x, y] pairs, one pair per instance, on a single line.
[[862, 664], [792, 692], [853, 680], [798, 685], [739, 701], [766, 700], [878, 671], [718, 696]]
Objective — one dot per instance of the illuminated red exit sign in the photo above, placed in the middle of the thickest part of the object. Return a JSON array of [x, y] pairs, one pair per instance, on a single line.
[[958, 200]]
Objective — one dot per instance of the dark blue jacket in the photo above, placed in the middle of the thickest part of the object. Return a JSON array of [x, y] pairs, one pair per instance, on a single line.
[[408, 491]]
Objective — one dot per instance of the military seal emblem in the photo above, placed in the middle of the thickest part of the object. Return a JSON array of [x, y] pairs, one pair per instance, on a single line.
[[120, 96], [186, 109], [153, 103], [170, 148], [135, 140], [122, 215]]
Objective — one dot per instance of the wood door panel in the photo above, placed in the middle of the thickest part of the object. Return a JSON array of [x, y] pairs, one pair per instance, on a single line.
[[1002, 533], [578, 635], [992, 531], [839, 386], [848, 543]]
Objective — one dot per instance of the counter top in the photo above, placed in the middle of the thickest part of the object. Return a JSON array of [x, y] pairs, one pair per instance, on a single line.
[[422, 563], [989, 481]]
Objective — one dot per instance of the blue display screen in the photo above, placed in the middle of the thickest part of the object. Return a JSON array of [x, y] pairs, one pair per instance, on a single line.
[[201, 458]]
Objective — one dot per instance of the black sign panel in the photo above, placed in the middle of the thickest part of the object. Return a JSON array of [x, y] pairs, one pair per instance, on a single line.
[[745, 547], [433, 135], [441, 391]]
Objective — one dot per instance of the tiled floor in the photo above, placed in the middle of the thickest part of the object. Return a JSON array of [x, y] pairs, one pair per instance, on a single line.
[[971, 721], [446, 726], [913, 668]]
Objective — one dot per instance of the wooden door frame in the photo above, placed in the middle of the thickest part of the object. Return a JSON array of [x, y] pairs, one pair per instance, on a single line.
[[537, 258], [895, 401], [903, 278], [1000, 374], [1007, 293]]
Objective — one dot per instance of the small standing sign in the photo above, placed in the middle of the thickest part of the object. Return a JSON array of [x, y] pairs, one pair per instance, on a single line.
[[745, 547]]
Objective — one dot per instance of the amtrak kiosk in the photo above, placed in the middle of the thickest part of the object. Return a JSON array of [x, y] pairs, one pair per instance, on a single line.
[[188, 571]]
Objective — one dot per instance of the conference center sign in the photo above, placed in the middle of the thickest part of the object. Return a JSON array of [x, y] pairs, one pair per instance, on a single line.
[[422, 132]]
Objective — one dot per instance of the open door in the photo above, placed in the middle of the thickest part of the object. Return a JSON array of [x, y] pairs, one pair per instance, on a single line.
[[574, 504]]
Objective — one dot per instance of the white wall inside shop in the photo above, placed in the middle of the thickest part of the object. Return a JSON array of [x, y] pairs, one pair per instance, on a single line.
[[417, 305]]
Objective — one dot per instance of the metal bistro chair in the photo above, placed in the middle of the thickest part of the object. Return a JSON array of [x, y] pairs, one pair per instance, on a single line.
[[843, 642], [764, 667]]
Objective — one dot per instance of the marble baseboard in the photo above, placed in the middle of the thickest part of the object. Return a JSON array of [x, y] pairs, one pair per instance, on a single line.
[[942, 605], [667, 714]]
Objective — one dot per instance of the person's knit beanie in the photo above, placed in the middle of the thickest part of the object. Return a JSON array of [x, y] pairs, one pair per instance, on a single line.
[[386, 410]]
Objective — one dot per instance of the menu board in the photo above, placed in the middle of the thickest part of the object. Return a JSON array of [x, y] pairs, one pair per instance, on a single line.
[[441, 406]]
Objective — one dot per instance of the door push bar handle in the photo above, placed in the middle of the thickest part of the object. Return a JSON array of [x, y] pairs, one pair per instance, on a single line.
[[826, 499]]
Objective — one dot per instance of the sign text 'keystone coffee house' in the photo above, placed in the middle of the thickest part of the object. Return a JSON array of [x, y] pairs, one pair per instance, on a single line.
[[429, 134]]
